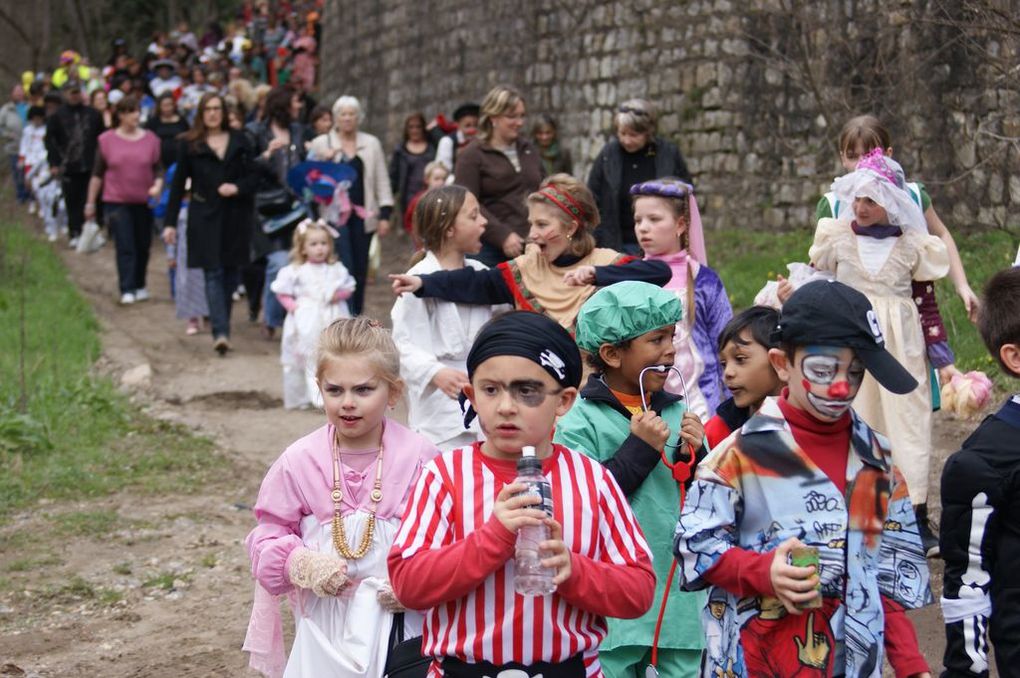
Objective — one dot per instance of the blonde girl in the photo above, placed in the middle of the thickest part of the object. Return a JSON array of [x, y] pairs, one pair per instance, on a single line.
[[314, 289], [434, 336], [561, 219], [327, 513]]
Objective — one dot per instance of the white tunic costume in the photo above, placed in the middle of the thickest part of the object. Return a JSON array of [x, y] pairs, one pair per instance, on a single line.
[[432, 334]]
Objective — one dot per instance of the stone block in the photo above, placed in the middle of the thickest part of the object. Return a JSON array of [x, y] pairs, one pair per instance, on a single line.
[[1014, 189], [706, 75], [995, 189]]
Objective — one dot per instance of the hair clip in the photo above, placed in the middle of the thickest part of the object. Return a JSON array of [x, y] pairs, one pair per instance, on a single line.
[[374, 323]]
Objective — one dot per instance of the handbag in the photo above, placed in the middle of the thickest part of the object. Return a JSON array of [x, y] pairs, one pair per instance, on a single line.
[[271, 202], [91, 239], [404, 659]]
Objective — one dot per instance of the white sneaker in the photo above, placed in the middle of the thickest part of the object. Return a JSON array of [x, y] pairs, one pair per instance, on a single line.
[[128, 298], [142, 295], [31, 208], [73, 243], [52, 237]]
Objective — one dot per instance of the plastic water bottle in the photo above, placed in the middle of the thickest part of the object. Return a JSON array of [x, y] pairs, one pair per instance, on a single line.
[[531, 578]]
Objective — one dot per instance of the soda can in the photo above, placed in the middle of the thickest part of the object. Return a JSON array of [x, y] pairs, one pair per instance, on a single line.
[[806, 556]]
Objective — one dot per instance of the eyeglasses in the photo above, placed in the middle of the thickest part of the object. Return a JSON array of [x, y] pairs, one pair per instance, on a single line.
[[527, 393]]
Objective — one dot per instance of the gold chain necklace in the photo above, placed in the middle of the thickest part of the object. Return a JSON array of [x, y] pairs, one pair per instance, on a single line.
[[339, 533]]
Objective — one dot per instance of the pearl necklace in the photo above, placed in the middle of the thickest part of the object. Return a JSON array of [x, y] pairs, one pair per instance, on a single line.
[[339, 533]]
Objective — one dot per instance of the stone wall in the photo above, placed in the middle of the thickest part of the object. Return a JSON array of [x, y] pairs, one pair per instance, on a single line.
[[753, 92]]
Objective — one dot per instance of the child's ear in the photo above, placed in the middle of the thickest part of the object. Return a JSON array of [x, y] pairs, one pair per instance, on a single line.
[[780, 363], [681, 225], [610, 355], [469, 393], [1010, 356], [888, 152], [396, 392], [566, 401]]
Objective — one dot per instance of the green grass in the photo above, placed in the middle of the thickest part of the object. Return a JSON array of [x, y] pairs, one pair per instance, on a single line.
[[165, 581], [66, 433], [78, 589], [746, 260], [29, 564]]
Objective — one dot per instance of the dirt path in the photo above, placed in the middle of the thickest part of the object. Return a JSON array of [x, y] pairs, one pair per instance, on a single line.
[[192, 621]]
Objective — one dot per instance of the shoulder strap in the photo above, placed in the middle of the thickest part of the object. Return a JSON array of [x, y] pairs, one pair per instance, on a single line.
[[915, 193], [830, 197]]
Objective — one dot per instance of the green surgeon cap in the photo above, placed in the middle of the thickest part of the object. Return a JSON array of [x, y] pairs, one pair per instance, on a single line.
[[624, 311]]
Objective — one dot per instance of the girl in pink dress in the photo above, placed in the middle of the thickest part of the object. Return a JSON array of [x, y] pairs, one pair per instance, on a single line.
[[328, 512]]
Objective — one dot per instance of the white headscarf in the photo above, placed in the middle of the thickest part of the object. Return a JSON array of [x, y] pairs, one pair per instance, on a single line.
[[881, 179]]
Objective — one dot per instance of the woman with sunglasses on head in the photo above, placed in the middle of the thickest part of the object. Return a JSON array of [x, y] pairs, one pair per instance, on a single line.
[[501, 167], [634, 155]]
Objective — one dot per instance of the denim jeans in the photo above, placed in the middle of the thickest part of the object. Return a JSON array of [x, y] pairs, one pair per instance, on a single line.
[[273, 313], [220, 284], [21, 189], [131, 228], [352, 248]]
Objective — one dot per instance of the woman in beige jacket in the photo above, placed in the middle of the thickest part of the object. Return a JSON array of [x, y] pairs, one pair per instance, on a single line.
[[370, 195]]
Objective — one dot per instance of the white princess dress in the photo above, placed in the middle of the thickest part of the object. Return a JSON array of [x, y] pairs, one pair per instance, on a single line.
[[313, 287], [882, 270]]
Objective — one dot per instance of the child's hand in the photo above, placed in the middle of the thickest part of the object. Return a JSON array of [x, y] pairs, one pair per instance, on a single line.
[[342, 294], [170, 235], [692, 431], [559, 554], [513, 509], [227, 190], [582, 275], [970, 301], [405, 283], [387, 599], [947, 373], [651, 428], [450, 381], [784, 290], [792, 585]]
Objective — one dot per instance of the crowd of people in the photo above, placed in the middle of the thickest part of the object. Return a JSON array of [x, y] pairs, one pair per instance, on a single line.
[[774, 463]]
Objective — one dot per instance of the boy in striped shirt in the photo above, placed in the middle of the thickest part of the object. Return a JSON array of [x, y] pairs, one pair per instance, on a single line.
[[453, 556]]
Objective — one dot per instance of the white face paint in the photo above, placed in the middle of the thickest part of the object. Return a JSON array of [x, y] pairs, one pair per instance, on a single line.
[[829, 378]]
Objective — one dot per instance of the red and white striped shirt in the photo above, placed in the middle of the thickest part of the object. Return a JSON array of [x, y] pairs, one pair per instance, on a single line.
[[453, 558]]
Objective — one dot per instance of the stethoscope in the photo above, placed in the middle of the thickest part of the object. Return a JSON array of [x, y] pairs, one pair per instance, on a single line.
[[682, 471]]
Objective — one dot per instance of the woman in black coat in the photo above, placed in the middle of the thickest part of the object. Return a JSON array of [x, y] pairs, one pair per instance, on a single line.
[[221, 210], [634, 155]]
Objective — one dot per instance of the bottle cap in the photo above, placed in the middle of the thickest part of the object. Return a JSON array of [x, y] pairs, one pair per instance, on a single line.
[[528, 451]]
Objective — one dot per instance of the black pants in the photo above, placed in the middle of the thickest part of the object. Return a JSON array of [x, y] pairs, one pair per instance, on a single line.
[[352, 248], [253, 277], [76, 188], [573, 667], [131, 228]]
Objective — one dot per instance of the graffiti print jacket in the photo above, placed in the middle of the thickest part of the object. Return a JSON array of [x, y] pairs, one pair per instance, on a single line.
[[757, 489]]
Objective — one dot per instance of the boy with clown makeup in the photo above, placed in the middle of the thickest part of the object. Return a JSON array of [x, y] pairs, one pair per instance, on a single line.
[[806, 471]]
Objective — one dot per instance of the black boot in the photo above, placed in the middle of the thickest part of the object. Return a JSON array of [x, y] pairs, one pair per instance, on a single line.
[[929, 540]]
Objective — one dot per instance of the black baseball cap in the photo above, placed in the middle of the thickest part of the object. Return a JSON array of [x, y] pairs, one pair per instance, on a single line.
[[829, 313]]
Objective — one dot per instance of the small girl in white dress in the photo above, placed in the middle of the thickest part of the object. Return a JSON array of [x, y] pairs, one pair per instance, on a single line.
[[314, 289]]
